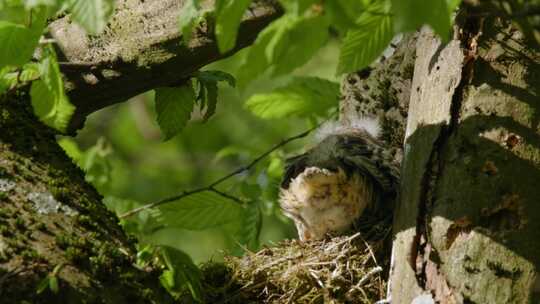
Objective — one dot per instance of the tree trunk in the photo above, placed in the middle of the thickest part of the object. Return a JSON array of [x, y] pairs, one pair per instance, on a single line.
[[468, 223], [55, 227], [58, 242]]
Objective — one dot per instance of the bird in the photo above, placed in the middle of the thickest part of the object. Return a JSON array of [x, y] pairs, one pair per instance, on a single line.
[[348, 173]]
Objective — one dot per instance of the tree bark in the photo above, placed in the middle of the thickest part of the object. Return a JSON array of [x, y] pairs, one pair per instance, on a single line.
[[141, 49], [468, 220], [53, 225]]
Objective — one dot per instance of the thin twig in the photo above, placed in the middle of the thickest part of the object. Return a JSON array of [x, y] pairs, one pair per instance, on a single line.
[[211, 187], [349, 239], [368, 275]]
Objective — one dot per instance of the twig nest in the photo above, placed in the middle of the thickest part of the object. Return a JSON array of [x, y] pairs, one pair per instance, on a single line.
[[343, 269]]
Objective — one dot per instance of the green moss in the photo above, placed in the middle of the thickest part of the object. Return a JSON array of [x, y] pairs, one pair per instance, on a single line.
[[5, 116], [62, 241], [5, 231], [76, 255], [85, 221], [4, 211], [19, 223], [41, 227], [29, 254], [61, 194]]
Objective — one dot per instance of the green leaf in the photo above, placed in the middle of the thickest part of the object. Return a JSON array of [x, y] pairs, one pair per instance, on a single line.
[[71, 148], [18, 41], [209, 90], [250, 229], [92, 15], [199, 211], [189, 14], [228, 16], [215, 76], [173, 108], [343, 13], [258, 59], [95, 163], [285, 45], [49, 101], [297, 7], [140, 224], [252, 191], [11, 77], [211, 96], [145, 255], [410, 15], [181, 273], [53, 284], [306, 37], [43, 284], [361, 46], [276, 167], [304, 96]]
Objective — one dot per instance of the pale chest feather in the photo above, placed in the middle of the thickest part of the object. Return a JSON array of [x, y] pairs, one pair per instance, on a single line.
[[321, 201]]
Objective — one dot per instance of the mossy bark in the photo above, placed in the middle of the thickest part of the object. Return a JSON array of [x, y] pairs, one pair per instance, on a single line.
[[51, 218], [467, 226], [58, 242], [142, 49]]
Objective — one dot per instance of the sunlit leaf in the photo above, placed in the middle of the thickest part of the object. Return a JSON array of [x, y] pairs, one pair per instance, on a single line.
[[228, 16], [92, 15], [173, 108], [410, 15], [199, 211], [297, 7], [18, 41], [305, 38], [258, 59], [362, 45], [71, 148], [11, 77], [49, 101], [304, 96], [275, 167]]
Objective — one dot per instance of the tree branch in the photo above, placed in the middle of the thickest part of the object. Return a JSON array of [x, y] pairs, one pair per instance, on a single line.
[[141, 49]]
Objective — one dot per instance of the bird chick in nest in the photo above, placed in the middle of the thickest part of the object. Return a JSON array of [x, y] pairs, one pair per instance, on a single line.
[[325, 190]]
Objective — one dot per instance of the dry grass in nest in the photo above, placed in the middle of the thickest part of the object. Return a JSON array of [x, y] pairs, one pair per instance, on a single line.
[[340, 270]]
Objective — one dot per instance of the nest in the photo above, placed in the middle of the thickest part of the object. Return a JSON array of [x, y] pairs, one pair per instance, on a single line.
[[346, 269]]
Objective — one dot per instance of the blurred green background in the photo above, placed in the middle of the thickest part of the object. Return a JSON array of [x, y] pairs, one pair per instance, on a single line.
[[141, 167]]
